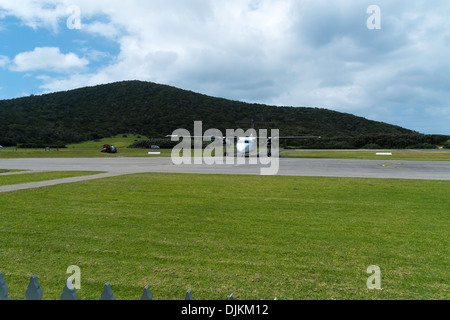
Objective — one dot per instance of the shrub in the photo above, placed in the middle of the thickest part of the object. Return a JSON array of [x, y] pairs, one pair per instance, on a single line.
[[446, 145], [162, 143], [422, 146], [40, 146], [372, 146]]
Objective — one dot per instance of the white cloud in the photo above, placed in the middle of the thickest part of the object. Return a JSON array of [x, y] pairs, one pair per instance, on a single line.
[[35, 13], [4, 61], [47, 59], [107, 30], [283, 52]]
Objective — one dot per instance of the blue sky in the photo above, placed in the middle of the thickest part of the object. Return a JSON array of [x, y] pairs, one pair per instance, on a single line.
[[316, 53]]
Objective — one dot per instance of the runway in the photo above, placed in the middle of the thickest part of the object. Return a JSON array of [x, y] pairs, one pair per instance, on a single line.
[[423, 170]]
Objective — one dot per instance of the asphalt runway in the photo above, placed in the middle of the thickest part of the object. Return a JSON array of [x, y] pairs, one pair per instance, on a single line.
[[424, 170]]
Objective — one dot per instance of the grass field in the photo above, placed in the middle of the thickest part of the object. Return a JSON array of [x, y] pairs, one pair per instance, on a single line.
[[258, 237], [417, 155], [78, 153], [9, 171], [425, 155], [6, 180]]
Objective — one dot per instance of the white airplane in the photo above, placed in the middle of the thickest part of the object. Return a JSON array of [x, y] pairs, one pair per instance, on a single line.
[[245, 145], [249, 145]]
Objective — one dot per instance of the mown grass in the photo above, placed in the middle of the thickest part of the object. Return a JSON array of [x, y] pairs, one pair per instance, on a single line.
[[10, 153], [258, 237], [78, 153], [414, 155], [10, 171], [6, 180]]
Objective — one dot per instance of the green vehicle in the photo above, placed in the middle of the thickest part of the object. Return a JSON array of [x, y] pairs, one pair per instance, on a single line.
[[109, 149]]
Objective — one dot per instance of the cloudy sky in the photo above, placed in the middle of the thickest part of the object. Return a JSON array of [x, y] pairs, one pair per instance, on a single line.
[[336, 54]]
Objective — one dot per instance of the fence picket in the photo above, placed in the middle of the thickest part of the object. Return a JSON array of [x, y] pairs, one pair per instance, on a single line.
[[34, 291], [188, 295], [146, 295], [3, 288], [69, 294], [107, 293]]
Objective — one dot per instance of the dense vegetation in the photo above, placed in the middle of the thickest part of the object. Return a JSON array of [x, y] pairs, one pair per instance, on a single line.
[[155, 110], [377, 141]]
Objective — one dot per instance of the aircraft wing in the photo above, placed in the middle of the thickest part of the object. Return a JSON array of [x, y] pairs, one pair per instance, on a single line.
[[292, 138], [208, 137], [270, 139], [221, 137]]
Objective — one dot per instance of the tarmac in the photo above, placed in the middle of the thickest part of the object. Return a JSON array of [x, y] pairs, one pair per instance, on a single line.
[[312, 167]]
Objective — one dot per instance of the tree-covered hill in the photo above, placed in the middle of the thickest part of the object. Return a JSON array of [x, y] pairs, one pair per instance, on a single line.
[[156, 110]]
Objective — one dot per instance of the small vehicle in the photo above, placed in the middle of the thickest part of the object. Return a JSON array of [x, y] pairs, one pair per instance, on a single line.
[[109, 149], [155, 147]]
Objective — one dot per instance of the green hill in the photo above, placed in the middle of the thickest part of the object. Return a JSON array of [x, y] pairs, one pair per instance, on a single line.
[[155, 110]]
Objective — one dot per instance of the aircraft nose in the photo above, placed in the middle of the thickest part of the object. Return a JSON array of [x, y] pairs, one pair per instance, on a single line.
[[240, 147]]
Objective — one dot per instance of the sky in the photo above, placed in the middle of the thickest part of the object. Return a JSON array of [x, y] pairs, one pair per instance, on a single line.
[[379, 59]]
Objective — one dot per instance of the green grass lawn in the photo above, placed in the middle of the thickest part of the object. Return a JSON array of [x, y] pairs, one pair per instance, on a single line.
[[9, 171], [6, 180], [425, 155], [259, 237], [120, 141], [11, 153]]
